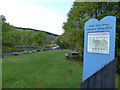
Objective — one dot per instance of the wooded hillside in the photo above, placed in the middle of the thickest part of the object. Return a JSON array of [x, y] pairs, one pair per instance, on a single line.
[[13, 36]]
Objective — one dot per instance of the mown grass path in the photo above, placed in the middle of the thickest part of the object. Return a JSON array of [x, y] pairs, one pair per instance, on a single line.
[[46, 69]]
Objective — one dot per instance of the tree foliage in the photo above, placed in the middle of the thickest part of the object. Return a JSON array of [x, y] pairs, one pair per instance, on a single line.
[[12, 36], [81, 12]]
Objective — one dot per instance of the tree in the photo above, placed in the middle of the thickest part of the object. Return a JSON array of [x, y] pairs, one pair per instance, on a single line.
[[12, 36], [79, 14], [7, 35]]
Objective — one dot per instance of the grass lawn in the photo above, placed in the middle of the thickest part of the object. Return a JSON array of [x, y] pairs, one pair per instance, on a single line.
[[117, 85], [46, 69]]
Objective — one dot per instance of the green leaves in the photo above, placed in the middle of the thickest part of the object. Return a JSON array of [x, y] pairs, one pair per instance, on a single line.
[[79, 14], [13, 37]]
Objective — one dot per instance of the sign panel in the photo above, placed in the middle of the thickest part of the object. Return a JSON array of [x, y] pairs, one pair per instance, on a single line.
[[98, 42]]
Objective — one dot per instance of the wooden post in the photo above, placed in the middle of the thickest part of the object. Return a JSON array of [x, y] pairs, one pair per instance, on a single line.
[[105, 78]]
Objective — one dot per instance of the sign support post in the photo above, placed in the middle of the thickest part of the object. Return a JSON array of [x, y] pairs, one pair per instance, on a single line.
[[99, 65]]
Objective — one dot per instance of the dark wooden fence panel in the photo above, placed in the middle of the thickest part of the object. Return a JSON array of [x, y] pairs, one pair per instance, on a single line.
[[97, 80], [105, 78], [108, 75]]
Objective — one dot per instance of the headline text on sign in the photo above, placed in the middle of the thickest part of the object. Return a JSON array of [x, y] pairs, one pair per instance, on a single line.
[[99, 26]]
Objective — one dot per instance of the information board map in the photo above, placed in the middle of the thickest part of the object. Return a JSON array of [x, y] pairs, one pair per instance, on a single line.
[[98, 42]]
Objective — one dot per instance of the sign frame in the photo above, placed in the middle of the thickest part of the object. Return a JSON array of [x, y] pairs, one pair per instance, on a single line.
[[98, 42]]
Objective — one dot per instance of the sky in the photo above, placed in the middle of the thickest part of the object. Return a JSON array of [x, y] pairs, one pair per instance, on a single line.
[[46, 15]]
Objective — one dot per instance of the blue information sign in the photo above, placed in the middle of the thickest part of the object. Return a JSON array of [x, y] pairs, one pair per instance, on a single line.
[[99, 44]]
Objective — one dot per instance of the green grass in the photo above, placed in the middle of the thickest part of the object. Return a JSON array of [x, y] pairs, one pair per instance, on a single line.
[[117, 83], [46, 69]]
